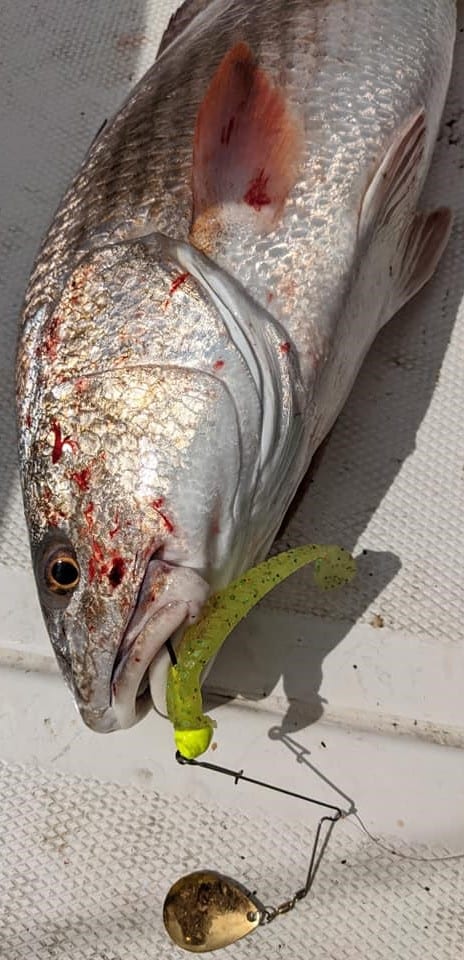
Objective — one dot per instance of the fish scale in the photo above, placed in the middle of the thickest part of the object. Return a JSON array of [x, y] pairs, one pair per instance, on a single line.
[[233, 242]]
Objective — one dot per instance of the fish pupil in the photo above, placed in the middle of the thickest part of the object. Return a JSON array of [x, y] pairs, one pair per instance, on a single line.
[[64, 573]]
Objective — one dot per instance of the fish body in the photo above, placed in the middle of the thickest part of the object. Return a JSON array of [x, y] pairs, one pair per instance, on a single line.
[[211, 283]]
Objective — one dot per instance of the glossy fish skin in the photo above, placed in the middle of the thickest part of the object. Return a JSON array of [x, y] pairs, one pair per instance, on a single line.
[[202, 304]]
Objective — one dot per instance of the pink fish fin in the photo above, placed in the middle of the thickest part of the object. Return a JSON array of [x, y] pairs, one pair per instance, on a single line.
[[246, 153], [422, 248], [180, 20], [391, 184]]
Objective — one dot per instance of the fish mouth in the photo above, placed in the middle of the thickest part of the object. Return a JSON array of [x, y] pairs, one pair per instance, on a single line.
[[170, 598], [130, 691]]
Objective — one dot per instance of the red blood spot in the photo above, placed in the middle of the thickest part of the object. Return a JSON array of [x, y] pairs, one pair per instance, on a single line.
[[156, 504], [81, 385], [50, 344], [117, 571], [98, 567], [285, 347], [176, 283], [218, 365], [28, 421], [270, 297], [137, 659], [61, 443], [82, 478], [257, 195], [226, 132]]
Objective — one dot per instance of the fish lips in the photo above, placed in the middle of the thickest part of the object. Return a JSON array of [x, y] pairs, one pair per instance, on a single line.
[[170, 598]]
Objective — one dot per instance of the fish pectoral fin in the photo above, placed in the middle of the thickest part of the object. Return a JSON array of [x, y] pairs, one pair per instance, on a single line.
[[423, 236], [422, 249], [391, 183], [246, 153]]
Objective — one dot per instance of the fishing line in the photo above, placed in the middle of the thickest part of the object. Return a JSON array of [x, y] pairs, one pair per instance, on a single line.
[[206, 911]]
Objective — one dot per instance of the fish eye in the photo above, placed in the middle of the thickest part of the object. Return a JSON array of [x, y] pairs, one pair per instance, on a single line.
[[62, 572], [57, 570]]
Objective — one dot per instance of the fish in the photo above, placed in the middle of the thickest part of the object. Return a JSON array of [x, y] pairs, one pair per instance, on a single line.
[[210, 285]]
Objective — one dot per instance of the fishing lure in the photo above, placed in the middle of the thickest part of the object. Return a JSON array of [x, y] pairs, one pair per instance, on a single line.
[[193, 730]]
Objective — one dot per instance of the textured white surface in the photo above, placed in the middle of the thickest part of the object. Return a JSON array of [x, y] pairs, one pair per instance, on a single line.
[[85, 865], [75, 888]]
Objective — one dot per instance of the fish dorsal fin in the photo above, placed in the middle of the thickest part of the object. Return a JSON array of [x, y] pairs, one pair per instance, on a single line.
[[180, 20], [247, 150]]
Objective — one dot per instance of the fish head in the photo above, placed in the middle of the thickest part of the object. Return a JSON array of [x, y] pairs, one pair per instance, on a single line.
[[130, 477], [109, 598]]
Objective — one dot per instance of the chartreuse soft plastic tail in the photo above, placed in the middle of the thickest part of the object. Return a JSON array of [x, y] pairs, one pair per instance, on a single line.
[[193, 730]]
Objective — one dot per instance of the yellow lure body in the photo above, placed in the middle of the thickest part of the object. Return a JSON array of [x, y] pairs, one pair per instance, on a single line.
[[193, 731]]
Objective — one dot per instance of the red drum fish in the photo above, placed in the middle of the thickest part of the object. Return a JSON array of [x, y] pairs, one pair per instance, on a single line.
[[211, 283]]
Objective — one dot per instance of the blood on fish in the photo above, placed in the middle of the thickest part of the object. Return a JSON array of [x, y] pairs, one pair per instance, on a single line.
[[285, 347], [218, 365], [50, 345], [114, 570], [257, 195], [175, 284], [157, 504], [82, 478], [97, 552], [81, 385], [28, 421], [61, 443], [117, 571]]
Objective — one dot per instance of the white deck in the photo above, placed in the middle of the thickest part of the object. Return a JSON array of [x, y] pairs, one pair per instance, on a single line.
[[322, 694]]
